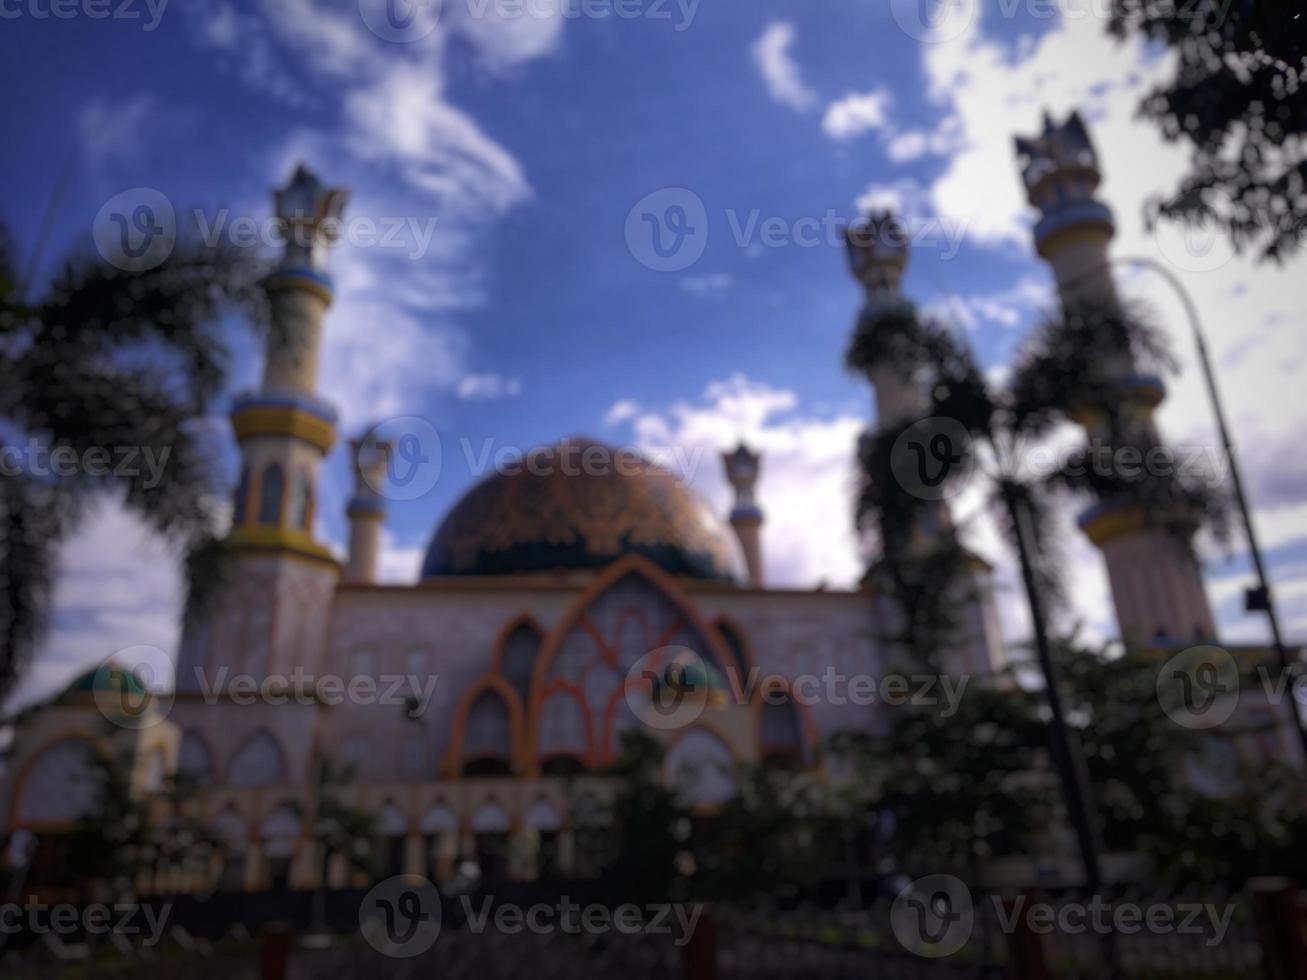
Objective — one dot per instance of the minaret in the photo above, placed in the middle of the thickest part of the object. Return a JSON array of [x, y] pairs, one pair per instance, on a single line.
[[742, 468], [878, 257], [1157, 585], [274, 614], [367, 509]]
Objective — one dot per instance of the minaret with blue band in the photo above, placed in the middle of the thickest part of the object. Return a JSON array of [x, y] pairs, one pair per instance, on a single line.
[[742, 468], [1157, 584], [285, 429], [366, 509]]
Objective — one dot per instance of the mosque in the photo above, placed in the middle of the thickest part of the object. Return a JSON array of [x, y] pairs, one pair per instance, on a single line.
[[479, 705]]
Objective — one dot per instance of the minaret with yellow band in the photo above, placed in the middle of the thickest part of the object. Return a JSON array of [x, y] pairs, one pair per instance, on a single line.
[[284, 429], [1157, 585], [273, 615]]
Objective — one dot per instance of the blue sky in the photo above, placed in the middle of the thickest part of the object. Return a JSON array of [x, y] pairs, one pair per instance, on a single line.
[[528, 139]]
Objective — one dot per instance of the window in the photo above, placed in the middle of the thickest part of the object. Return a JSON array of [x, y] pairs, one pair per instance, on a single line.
[[270, 495], [300, 501], [363, 664], [410, 755], [239, 504], [519, 659], [489, 729]]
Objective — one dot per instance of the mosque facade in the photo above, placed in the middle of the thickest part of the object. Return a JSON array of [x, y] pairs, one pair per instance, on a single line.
[[479, 706]]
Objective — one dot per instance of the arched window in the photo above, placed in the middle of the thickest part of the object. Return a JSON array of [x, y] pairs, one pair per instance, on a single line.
[[240, 503], [735, 644], [519, 659], [782, 733], [259, 762], [194, 761], [300, 502], [488, 736], [563, 729], [631, 620], [60, 785], [270, 495]]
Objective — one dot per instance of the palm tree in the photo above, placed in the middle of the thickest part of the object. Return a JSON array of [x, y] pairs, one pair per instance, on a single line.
[[1071, 369], [105, 366]]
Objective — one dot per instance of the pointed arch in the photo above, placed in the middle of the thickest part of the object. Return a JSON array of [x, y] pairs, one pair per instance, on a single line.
[[785, 731], [439, 819], [485, 743], [258, 762], [737, 642], [195, 757], [516, 651], [56, 786], [491, 818], [301, 501], [681, 617], [272, 490]]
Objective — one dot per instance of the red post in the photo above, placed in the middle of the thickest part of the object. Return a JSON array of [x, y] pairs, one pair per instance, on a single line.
[[699, 956], [1280, 927], [1025, 946], [274, 951]]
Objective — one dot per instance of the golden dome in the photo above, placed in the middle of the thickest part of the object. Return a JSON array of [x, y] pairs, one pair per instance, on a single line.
[[580, 505]]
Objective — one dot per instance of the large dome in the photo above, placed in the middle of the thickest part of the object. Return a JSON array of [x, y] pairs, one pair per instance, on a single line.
[[579, 505]]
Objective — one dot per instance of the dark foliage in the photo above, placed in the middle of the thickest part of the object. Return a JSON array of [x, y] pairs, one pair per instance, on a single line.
[[1237, 97], [108, 362]]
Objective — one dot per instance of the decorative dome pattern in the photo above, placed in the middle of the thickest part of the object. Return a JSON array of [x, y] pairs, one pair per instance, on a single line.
[[580, 505]]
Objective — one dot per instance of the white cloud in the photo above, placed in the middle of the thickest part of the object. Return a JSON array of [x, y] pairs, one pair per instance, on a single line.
[[709, 284], [487, 386], [857, 113], [806, 487], [118, 131], [779, 70]]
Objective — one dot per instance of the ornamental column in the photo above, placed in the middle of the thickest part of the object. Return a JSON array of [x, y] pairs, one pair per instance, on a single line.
[[1156, 580]]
